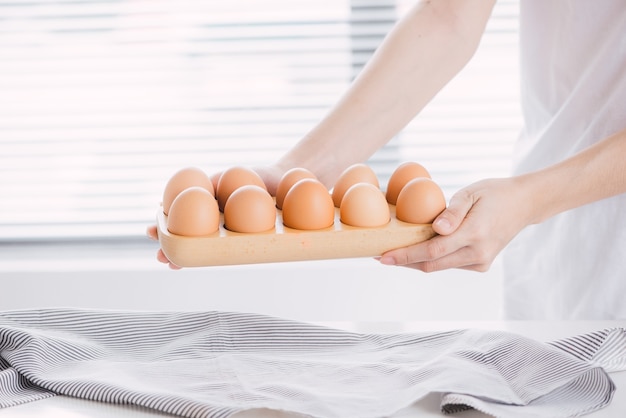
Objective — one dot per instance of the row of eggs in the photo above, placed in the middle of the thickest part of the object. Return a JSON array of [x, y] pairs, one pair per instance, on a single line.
[[193, 204]]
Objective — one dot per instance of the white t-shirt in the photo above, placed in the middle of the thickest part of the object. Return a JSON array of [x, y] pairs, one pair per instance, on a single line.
[[573, 74]]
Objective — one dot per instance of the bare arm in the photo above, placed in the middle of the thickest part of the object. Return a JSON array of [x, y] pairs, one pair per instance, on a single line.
[[471, 237], [593, 174], [424, 51]]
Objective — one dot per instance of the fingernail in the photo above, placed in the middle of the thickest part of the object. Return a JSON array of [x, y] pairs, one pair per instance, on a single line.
[[387, 260], [443, 223]]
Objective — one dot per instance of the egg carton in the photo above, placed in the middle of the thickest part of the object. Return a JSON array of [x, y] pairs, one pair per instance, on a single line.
[[282, 244]]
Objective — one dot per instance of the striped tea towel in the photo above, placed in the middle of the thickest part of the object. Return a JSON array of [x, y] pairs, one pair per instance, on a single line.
[[215, 364]]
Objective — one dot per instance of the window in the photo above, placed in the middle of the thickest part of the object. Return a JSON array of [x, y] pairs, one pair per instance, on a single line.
[[102, 100]]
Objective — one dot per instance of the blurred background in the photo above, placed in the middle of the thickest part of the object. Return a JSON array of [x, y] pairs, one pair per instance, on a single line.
[[101, 101]]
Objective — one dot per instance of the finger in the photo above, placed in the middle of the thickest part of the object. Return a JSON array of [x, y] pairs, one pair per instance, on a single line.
[[174, 266], [450, 219], [428, 250], [163, 259], [152, 233], [464, 259], [480, 268]]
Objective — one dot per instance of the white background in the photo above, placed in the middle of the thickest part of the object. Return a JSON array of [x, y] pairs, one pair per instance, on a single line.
[[465, 134]]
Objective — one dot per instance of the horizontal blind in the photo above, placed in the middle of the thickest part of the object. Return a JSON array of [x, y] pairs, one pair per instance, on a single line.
[[101, 101]]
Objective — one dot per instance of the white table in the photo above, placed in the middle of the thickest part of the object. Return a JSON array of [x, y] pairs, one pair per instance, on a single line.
[[64, 407]]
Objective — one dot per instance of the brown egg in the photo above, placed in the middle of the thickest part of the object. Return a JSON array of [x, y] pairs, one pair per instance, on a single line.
[[290, 178], [250, 209], [356, 173], [232, 179], [308, 206], [364, 205], [420, 201], [401, 176], [193, 213], [183, 179]]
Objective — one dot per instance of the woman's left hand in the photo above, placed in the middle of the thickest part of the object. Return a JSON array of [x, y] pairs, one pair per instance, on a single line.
[[478, 223]]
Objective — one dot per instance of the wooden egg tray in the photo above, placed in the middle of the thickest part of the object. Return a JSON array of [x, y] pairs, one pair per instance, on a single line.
[[225, 247]]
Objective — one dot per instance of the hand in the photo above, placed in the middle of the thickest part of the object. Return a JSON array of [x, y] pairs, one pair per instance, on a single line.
[[154, 235], [479, 222], [271, 177]]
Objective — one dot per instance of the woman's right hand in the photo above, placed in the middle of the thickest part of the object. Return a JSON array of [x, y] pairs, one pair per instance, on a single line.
[[153, 234], [271, 176]]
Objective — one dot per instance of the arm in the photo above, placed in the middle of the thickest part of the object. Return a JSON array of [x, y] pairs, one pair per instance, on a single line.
[[424, 51], [593, 174], [471, 237]]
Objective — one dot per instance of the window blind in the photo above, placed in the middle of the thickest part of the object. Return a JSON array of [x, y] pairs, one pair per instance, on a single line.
[[102, 100]]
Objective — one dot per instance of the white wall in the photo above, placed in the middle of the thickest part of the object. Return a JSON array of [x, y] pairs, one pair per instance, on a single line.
[[334, 290]]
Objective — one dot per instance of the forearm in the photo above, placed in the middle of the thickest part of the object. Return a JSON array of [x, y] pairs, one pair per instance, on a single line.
[[596, 173], [426, 49]]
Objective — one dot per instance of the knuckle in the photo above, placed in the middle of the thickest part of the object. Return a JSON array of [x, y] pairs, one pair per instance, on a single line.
[[404, 258], [453, 214], [429, 266], [434, 249], [463, 194], [401, 257], [483, 257]]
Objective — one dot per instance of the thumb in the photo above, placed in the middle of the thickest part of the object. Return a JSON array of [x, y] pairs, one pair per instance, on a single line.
[[449, 220]]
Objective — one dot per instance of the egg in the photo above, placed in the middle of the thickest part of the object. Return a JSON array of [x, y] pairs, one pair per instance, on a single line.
[[364, 205], [356, 173], [183, 179], [420, 201], [193, 213], [401, 176], [308, 206], [290, 178], [232, 179], [250, 209]]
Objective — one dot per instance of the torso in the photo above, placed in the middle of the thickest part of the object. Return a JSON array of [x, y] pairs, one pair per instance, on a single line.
[[573, 72]]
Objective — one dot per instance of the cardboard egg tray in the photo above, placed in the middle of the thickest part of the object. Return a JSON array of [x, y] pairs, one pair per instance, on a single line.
[[225, 247]]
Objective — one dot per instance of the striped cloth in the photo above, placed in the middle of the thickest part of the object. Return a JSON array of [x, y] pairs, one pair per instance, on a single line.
[[215, 364]]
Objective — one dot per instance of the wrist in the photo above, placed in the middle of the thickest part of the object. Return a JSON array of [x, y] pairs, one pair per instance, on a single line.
[[314, 156], [544, 194]]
